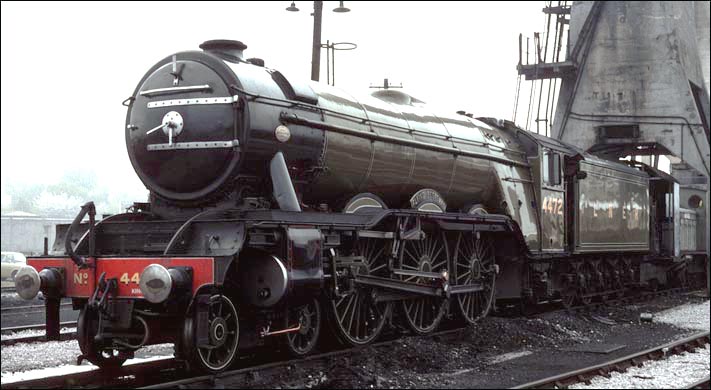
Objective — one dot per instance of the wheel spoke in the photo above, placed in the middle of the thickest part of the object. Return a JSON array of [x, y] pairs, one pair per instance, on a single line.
[[353, 312], [360, 320], [411, 257], [430, 254], [346, 311], [341, 300], [376, 256], [357, 322], [436, 255], [475, 260]]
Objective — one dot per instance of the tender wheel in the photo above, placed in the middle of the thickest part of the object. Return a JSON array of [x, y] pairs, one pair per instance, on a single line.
[[87, 327], [475, 261], [568, 296], [569, 292], [220, 349], [605, 282], [616, 279], [431, 254], [589, 272], [356, 316], [308, 317]]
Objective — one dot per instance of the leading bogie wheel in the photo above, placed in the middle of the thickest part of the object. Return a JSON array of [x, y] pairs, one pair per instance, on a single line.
[[475, 263], [87, 327], [308, 318], [220, 349]]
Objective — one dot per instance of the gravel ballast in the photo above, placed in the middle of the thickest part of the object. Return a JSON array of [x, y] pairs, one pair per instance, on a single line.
[[674, 372]]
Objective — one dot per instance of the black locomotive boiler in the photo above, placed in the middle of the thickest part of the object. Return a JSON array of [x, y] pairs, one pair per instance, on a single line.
[[278, 206]]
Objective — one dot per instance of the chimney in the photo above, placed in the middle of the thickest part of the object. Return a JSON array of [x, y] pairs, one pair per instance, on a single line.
[[226, 49]]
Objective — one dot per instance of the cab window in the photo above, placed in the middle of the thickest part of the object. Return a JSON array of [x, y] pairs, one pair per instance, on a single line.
[[551, 168]]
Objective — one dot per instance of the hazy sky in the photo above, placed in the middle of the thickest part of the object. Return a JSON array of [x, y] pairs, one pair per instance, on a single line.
[[66, 67]]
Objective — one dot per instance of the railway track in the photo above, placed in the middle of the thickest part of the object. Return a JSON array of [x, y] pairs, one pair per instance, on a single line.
[[30, 308], [621, 364], [14, 329], [243, 372], [35, 338], [160, 374], [581, 308], [128, 375], [701, 384], [555, 306]]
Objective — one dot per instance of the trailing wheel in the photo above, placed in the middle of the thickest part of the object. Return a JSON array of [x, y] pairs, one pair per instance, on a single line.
[[87, 328], [216, 350], [430, 254], [475, 263], [308, 317]]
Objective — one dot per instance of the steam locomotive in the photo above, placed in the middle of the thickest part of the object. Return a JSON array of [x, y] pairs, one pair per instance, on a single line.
[[278, 207]]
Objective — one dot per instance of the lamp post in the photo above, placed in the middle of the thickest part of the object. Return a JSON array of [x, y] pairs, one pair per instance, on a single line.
[[316, 44]]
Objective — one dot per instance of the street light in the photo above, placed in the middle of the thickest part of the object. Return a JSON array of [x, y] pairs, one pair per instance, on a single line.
[[341, 8], [316, 44]]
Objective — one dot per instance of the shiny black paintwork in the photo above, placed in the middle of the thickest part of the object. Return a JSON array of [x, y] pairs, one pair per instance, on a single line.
[[329, 167], [389, 144]]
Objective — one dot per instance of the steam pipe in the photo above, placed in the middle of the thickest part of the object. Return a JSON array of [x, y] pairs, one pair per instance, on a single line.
[[281, 182]]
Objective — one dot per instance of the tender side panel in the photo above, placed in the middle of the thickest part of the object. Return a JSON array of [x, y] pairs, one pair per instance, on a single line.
[[553, 218], [613, 210], [81, 283], [688, 232]]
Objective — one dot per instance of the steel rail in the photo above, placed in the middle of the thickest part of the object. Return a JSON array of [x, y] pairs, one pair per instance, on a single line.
[[638, 296], [13, 329], [37, 339], [111, 378], [701, 384], [20, 309], [621, 364]]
